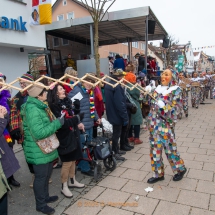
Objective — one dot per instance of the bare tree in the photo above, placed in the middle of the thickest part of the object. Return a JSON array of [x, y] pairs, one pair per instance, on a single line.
[[169, 51], [96, 10]]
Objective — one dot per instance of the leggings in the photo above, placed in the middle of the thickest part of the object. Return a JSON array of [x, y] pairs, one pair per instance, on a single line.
[[136, 129]]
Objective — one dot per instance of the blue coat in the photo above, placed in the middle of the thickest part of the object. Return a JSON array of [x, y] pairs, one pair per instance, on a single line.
[[116, 108], [8, 160], [84, 107], [119, 64]]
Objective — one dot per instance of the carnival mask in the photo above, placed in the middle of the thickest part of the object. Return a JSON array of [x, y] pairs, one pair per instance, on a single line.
[[166, 77]]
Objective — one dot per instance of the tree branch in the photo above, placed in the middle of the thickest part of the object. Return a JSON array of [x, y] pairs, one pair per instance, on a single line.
[[107, 10], [86, 6]]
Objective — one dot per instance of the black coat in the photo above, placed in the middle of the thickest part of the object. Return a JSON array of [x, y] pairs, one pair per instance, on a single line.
[[65, 132], [116, 108], [141, 62]]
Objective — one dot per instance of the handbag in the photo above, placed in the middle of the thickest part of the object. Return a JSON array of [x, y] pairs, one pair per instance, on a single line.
[[47, 145]]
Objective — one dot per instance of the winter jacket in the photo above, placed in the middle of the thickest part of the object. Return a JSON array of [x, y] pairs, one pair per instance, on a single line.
[[8, 160], [141, 63], [4, 186], [37, 126], [68, 132], [119, 64], [116, 108], [137, 118], [84, 107]]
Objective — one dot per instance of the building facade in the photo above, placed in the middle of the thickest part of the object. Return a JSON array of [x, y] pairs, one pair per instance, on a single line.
[[17, 37], [203, 62]]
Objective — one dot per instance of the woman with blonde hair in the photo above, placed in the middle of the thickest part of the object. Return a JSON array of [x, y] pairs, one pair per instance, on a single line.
[[69, 80]]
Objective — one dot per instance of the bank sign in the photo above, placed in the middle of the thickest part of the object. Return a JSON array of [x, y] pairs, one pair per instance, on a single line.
[[13, 24]]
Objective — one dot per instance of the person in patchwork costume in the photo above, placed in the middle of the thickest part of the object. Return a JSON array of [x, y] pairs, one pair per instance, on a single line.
[[161, 120]]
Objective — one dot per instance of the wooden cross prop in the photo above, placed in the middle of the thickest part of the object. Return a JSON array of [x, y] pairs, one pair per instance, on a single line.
[[85, 79]]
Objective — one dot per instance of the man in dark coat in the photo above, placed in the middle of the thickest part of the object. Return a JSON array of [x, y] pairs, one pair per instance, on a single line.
[[116, 110], [141, 62]]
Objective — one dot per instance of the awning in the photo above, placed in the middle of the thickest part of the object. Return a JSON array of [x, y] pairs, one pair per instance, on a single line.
[[115, 27]]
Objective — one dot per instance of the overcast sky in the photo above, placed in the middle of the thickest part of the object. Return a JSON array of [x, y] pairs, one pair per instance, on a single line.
[[188, 20]]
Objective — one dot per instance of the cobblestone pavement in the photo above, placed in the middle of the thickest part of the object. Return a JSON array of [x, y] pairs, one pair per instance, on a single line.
[[122, 192]]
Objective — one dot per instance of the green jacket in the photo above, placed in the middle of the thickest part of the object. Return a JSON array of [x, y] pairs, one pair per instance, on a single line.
[[37, 123], [137, 118], [4, 186]]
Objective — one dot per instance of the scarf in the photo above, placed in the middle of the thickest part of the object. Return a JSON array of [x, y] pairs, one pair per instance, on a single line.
[[92, 104]]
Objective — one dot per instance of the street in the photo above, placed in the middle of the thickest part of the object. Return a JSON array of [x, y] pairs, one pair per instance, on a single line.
[[193, 195]]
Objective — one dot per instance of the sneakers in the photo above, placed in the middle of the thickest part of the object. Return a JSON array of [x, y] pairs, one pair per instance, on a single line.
[[52, 199], [46, 210], [154, 180], [74, 184], [119, 158], [131, 139], [137, 141], [179, 176]]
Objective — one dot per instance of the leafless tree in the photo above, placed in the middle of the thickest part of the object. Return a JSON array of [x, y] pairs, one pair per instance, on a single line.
[[97, 12]]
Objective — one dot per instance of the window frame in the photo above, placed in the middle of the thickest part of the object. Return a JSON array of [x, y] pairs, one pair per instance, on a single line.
[[58, 17], [65, 2], [63, 42], [73, 15], [54, 42]]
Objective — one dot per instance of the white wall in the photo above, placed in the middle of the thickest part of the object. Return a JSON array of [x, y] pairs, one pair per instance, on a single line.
[[34, 38], [13, 64]]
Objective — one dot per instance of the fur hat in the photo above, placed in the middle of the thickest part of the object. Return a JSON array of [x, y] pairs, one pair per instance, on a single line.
[[35, 90]]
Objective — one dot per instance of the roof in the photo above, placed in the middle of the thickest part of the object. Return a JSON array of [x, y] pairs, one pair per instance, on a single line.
[[114, 28], [153, 48], [76, 1]]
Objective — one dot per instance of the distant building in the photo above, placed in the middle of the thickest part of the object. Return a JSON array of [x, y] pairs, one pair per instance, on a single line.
[[203, 62]]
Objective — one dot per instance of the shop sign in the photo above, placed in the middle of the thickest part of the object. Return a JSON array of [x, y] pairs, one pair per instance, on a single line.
[[13, 24]]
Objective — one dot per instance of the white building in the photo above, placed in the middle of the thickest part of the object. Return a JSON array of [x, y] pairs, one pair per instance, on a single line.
[[17, 37], [189, 67]]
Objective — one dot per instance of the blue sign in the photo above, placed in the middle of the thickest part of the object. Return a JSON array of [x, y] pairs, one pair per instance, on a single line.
[[13, 24]]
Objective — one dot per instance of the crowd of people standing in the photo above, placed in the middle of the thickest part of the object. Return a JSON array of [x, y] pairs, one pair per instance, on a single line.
[[36, 114]]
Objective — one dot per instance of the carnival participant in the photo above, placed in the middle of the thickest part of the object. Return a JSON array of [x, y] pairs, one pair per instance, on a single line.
[[68, 135], [69, 80], [209, 86], [4, 101], [202, 89], [184, 94], [39, 123], [85, 93], [195, 90], [162, 119]]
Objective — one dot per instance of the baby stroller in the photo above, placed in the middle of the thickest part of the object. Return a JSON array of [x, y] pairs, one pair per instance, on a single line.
[[98, 149]]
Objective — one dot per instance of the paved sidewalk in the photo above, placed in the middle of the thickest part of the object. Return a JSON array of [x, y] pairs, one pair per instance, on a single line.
[[116, 192]]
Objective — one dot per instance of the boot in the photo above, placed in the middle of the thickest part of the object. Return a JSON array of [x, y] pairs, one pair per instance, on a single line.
[[12, 181], [65, 190], [74, 184], [32, 182], [137, 141]]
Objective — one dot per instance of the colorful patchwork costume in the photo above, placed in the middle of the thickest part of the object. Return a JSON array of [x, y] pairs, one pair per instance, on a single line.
[[161, 126], [184, 98]]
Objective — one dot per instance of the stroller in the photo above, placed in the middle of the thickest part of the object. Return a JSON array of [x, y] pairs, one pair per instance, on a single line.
[[99, 149]]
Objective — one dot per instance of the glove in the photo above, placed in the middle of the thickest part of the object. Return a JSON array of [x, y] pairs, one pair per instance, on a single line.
[[125, 123], [81, 115], [76, 103], [17, 136], [61, 120], [160, 104]]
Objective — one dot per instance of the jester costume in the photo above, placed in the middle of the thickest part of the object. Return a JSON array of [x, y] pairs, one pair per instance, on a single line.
[[184, 99], [196, 92], [209, 86]]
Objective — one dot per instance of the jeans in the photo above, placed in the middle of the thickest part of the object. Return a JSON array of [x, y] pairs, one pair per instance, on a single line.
[[115, 139], [42, 174], [124, 136], [84, 165], [3, 205], [136, 129]]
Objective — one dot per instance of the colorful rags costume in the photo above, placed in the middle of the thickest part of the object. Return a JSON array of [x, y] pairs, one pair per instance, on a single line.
[[161, 120], [184, 98]]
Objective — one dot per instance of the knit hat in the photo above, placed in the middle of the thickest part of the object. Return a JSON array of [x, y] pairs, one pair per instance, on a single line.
[[35, 90], [28, 77], [130, 77]]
